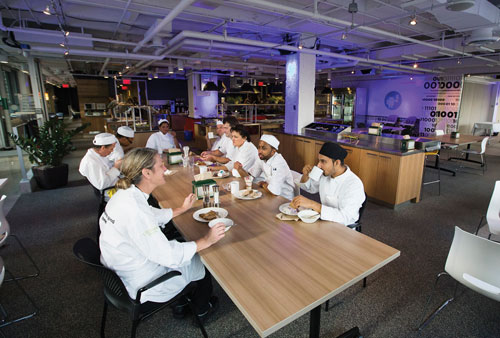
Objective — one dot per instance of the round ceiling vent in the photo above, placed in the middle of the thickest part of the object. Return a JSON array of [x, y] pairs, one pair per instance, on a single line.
[[459, 5], [481, 37]]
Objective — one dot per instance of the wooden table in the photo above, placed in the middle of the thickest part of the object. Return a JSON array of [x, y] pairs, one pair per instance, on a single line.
[[276, 271], [461, 141]]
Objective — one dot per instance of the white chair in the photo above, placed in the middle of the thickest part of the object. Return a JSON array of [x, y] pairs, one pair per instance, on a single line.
[[440, 132], [296, 179], [5, 233], [4, 317], [493, 213], [467, 152], [473, 262]]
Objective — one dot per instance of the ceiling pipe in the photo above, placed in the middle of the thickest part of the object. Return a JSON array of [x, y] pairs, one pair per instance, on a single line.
[[121, 18], [283, 9], [165, 21], [104, 66], [97, 53]]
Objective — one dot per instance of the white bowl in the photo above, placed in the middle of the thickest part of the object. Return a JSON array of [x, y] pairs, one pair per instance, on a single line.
[[308, 216], [227, 222]]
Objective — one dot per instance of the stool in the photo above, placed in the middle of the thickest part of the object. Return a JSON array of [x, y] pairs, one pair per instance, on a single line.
[[434, 152]]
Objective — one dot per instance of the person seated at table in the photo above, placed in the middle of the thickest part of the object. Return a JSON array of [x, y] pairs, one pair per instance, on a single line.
[[226, 146], [245, 154], [163, 139], [133, 245], [125, 137], [96, 167], [214, 144], [340, 190], [271, 171]]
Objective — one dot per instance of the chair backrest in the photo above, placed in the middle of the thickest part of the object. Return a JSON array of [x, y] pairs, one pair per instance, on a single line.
[[439, 132], [473, 261], [87, 251], [483, 144], [362, 209], [2, 271], [296, 179], [4, 225], [493, 214], [392, 119]]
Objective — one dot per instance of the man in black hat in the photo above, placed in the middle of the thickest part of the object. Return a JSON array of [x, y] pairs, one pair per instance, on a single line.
[[340, 190]]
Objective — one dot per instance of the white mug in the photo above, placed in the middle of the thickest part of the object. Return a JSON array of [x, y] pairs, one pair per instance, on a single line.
[[203, 169], [315, 173], [210, 135], [235, 187]]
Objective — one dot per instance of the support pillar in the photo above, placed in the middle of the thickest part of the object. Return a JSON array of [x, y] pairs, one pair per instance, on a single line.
[[38, 88], [299, 100]]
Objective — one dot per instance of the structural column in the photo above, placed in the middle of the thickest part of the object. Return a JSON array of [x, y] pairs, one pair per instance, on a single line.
[[38, 88], [299, 100]]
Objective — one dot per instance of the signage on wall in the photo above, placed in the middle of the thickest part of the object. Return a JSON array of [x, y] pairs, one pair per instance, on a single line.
[[126, 81], [65, 85]]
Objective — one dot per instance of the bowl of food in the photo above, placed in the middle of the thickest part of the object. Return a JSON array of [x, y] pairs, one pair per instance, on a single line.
[[227, 222], [308, 216]]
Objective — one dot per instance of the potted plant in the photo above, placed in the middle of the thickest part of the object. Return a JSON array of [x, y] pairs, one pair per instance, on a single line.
[[46, 151]]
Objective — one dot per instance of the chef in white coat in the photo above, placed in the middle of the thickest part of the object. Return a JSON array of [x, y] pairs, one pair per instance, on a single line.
[[163, 139], [225, 146], [214, 143], [96, 167], [271, 170], [133, 245], [245, 154], [125, 137], [341, 192]]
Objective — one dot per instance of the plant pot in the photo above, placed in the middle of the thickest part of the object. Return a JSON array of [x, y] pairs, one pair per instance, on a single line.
[[50, 177]]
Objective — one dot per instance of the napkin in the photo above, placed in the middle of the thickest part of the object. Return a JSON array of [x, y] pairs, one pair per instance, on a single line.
[[204, 176], [174, 150], [284, 217]]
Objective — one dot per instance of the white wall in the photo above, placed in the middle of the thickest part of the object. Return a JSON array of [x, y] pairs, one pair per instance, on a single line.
[[477, 104]]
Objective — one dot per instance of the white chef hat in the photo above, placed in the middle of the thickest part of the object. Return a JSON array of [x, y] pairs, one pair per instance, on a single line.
[[104, 139], [163, 120], [126, 131], [271, 140], [219, 122]]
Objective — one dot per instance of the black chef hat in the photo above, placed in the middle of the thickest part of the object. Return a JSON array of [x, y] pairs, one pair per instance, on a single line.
[[333, 151]]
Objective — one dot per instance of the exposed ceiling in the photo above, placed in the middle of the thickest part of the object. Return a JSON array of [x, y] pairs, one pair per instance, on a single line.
[[251, 36]]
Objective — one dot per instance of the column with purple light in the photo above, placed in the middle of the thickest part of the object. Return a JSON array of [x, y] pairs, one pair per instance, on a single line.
[[299, 92]]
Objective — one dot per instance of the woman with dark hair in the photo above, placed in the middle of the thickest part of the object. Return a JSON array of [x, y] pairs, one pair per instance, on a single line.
[[245, 154], [133, 245]]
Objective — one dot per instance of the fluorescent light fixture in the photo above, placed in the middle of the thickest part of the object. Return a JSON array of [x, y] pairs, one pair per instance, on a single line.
[[420, 56], [409, 57], [180, 65], [3, 58], [490, 65], [487, 49], [442, 52]]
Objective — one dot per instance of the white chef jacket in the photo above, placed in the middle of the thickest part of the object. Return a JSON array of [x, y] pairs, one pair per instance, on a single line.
[[98, 170], [276, 173], [247, 155], [216, 145], [341, 197], [226, 145], [133, 246], [117, 153], [160, 141]]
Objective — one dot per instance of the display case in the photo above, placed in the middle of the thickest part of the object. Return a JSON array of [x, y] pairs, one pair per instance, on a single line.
[[343, 100], [325, 130]]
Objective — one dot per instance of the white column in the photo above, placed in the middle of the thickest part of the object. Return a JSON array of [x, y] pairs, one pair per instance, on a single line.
[[299, 99], [191, 87], [38, 90]]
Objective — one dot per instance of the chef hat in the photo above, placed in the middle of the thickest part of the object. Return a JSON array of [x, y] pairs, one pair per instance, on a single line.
[[163, 120], [104, 139], [125, 131], [333, 151], [271, 140], [219, 122]]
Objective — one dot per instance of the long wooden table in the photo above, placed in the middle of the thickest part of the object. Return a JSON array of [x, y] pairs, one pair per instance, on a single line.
[[461, 141], [276, 271]]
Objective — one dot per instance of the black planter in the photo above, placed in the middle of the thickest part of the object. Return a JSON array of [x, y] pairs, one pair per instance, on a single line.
[[49, 177]]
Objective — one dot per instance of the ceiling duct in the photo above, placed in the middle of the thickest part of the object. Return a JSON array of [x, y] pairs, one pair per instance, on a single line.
[[459, 5], [481, 37]]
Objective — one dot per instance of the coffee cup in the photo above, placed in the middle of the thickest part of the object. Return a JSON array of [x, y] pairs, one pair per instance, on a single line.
[[235, 187], [210, 135], [203, 169], [315, 173]]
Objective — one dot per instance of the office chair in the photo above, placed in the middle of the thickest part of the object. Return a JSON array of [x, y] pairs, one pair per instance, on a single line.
[[115, 293]]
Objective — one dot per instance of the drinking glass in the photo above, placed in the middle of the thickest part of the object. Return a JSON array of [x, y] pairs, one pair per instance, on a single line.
[[248, 182]]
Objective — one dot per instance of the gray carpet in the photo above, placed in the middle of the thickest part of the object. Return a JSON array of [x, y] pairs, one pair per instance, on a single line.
[[70, 298]]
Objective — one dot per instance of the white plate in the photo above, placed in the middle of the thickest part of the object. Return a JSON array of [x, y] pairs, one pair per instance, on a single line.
[[220, 211], [228, 222], [286, 209], [238, 195], [204, 163], [226, 175]]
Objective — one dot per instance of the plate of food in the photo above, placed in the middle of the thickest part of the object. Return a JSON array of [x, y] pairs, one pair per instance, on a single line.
[[200, 162], [208, 214], [286, 209], [221, 174], [169, 172], [248, 194]]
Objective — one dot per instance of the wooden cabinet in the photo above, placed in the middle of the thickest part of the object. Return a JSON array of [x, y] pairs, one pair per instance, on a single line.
[[352, 159], [368, 171]]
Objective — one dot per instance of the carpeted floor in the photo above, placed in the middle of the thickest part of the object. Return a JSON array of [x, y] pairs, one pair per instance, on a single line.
[[69, 294]]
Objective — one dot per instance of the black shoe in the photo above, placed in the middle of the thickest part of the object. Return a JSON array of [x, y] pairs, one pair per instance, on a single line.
[[180, 309], [213, 306]]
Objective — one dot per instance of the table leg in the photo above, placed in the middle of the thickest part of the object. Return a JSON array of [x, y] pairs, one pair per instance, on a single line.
[[466, 159], [314, 323], [437, 166]]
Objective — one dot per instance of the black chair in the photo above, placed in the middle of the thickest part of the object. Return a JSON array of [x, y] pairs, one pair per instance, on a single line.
[[101, 195], [357, 227], [115, 293]]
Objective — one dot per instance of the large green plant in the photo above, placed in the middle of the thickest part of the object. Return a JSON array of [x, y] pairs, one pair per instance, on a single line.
[[52, 143]]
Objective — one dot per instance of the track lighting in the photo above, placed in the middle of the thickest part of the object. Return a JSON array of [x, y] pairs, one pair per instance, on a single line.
[[3, 58], [180, 65], [344, 35], [156, 75], [413, 20], [231, 74], [352, 71], [127, 66], [66, 52], [415, 65], [62, 44], [170, 69], [66, 33]]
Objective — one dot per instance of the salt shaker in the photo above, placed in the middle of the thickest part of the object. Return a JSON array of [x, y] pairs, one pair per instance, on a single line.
[[216, 195], [206, 196]]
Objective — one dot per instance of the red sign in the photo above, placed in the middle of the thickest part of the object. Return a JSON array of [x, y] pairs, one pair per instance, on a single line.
[[260, 83], [65, 85], [124, 87], [126, 81]]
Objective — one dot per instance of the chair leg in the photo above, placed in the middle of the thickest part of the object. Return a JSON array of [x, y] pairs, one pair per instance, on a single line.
[[439, 174], [364, 282], [479, 225], [327, 305], [442, 306], [29, 257], [32, 314], [196, 318], [103, 320]]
